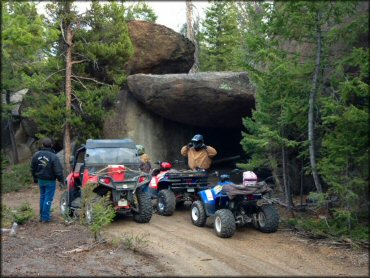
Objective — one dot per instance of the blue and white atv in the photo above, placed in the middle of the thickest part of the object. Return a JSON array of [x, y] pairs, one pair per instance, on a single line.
[[234, 205]]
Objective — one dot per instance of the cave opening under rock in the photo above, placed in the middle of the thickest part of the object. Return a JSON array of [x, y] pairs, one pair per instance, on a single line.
[[225, 140]]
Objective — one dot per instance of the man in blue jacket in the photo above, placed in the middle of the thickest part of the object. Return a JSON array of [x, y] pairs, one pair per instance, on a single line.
[[46, 168]]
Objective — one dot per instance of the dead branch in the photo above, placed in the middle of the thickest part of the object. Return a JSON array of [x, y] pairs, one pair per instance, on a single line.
[[79, 61], [61, 29], [77, 250], [91, 79], [79, 101], [84, 248], [53, 74], [61, 231], [77, 79]]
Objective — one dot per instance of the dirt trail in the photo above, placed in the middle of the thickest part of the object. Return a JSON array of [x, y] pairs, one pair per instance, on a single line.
[[198, 251], [179, 248]]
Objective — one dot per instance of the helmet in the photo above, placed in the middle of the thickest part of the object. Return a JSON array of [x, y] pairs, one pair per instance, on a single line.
[[224, 177], [249, 178], [140, 149], [197, 141]]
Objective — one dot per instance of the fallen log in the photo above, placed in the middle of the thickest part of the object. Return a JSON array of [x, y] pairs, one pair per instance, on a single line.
[[84, 248], [4, 230]]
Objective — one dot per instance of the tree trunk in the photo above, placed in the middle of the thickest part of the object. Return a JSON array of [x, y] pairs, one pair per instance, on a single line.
[[12, 141], [286, 187], [301, 189], [68, 91], [189, 20], [312, 101], [275, 174], [190, 34]]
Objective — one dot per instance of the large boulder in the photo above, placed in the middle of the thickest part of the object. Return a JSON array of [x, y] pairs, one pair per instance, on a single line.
[[212, 99], [15, 99], [158, 49]]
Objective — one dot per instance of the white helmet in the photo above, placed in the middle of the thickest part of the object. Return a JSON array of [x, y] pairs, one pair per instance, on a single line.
[[249, 178]]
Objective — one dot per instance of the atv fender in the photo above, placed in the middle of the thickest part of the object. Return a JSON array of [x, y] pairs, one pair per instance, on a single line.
[[208, 200]]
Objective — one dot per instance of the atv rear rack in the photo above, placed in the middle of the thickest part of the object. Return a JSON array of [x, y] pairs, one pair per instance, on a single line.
[[186, 174]]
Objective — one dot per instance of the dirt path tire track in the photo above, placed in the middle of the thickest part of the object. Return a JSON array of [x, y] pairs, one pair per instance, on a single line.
[[179, 248], [192, 250]]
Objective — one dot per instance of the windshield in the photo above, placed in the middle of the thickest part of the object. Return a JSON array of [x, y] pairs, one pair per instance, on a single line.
[[110, 156]]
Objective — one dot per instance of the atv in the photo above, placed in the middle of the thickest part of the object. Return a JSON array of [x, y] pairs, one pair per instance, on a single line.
[[234, 205], [169, 187], [111, 167]]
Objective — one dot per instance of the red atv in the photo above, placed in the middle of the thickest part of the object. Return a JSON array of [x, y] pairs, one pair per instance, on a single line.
[[170, 187], [111, 166]]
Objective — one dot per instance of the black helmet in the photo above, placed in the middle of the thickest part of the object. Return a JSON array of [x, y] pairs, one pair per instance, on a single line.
[[224, 177], [197, 141], [197, 138]]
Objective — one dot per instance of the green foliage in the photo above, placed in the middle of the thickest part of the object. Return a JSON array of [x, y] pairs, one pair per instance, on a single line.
[[52, 108], [283, 80], [20, 215], [7, 217], [109, 45], [101, 47], [16, 177], [345, 156], [4, 161], [332, 228], [102, 210], [140, 11], [88, 120], [219, 38], [321, 199], [23, 37], [24, 213]]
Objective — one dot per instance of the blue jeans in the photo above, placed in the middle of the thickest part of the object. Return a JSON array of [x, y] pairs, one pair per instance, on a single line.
[[47, 191]]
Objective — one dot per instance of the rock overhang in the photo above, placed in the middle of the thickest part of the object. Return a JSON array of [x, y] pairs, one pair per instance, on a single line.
[[206, 99]]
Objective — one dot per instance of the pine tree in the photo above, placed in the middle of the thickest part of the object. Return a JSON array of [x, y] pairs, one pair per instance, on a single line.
[[140, 11], [23, 39], [99, 48], [220, 38], [290, 59]]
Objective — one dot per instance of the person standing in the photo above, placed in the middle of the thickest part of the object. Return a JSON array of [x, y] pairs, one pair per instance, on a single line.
[[199, 155], [145, 165], [46, 169]]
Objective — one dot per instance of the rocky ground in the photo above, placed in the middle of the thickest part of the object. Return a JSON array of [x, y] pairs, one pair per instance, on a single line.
[[169, 246]]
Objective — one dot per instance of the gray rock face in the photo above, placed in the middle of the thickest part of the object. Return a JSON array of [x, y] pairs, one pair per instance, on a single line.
[[15, 99], [213, 99], [161, 138], [158, 49]]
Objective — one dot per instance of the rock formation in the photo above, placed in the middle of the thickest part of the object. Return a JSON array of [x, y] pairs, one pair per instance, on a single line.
[[158, 49], [212, 99]]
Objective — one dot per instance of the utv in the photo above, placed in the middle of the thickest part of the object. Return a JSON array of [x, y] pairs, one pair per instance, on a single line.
[[234, 205], [170, 187], [110, 166]]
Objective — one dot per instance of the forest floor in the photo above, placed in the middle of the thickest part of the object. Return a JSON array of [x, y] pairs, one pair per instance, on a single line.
[[167, 246]]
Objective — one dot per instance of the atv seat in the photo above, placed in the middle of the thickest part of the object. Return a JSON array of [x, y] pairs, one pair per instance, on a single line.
[[78, 173], [156, 172]]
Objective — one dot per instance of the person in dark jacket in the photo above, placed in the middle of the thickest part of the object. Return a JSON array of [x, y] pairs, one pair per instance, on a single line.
[[45, 169]]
